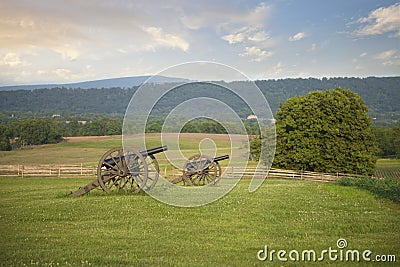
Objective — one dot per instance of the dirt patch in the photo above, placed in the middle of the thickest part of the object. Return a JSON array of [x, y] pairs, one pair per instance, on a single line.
[[91, 138]]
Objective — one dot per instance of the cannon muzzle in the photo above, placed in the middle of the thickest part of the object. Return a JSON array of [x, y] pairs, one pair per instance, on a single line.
[[219, 158]]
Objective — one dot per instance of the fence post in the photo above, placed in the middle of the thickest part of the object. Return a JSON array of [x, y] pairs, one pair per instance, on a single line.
[[81, 169], [165, 171], [18, 170], [59, 171], [22, 172]]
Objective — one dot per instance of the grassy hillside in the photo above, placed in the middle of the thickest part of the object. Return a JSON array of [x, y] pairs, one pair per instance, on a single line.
[[40, 225]]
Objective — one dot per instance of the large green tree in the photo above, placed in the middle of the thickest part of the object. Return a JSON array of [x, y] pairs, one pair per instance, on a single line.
[[325, 131]]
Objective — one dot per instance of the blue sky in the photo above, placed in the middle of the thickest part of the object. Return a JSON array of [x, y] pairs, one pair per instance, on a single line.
[[54, 41]]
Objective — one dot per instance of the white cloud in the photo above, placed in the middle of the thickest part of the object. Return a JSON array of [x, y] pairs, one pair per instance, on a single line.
[[222, 15], [389, 58], [363, 54], [248, 34], [385, 55], [66, 51], [12, 60], [380, 21], [259, 36], [234, 38], [256, 53], [166, 39], [297, 37]]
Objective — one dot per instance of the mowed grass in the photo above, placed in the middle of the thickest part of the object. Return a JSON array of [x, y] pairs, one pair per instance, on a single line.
[[40, 225]]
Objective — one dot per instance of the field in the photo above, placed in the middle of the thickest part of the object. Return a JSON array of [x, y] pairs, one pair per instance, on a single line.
[[88, 150], [41, 225], [388, 168]]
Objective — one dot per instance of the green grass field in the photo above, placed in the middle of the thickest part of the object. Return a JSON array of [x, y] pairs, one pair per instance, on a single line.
[[40, 225]]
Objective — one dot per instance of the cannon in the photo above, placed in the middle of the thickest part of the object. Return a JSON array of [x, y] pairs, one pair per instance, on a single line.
[[125, 170], [201, 170]]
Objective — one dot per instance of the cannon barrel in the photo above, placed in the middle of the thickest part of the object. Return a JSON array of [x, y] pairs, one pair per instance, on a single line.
[[144, 153], [216, 159], [153, 151]]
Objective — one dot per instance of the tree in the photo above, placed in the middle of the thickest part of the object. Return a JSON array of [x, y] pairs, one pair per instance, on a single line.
[[388, 140], [5, 144], [325, 131], [395, 134]]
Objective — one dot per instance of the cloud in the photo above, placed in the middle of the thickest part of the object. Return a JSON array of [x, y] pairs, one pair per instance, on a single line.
[[297, 37], [66, 51], [166, 39], [256, 53], [380, 21], [248, 34], [12, 60], [385, 55], [234, 38], [222, 15], [389, 58]]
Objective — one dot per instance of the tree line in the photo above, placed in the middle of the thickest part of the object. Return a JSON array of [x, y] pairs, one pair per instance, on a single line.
[[381, 95], [18, 134]]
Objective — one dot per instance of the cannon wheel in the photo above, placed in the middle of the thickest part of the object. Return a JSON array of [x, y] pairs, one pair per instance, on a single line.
[[128, 171], [205, 174], [153, 173]]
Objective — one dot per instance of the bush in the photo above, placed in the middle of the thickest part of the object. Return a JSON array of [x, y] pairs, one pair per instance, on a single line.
[[388, 188]]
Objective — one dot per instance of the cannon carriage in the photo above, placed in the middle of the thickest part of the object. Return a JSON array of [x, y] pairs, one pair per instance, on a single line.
[[201, 170], [132, 171], [129, 170]]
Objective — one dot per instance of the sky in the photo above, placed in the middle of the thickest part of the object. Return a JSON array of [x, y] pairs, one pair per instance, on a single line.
[[57, 41]]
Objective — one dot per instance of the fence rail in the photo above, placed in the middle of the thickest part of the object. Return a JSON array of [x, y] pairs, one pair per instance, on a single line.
[[47, 170], [232, 172]]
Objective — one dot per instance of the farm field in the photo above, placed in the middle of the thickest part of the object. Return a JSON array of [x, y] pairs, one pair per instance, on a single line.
[[40, 225], [88, 150], [388, 168]]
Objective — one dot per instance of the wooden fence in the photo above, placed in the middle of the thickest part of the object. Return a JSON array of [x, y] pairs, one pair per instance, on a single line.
[[232, 172], [47, 171]]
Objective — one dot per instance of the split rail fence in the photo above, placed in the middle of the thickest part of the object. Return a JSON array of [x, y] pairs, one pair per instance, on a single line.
[[81, 171]]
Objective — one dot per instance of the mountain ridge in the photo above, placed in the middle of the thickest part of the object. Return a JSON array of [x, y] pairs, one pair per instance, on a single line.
[[122, 82]]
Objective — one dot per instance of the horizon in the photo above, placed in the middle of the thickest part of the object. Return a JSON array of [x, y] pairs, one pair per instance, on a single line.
[[138, 76]]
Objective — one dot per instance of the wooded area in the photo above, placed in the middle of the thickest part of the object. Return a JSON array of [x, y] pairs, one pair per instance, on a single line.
[[381, 95]]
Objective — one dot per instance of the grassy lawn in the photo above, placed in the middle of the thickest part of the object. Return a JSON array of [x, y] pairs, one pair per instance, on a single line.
[[40, 225]]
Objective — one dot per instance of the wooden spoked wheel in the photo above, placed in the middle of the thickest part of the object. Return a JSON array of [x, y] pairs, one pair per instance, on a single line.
[[153, 172], [119, 170], [201, 170]]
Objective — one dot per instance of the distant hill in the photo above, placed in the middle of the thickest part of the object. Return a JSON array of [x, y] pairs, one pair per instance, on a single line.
[[124, 82], [380, 94]]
